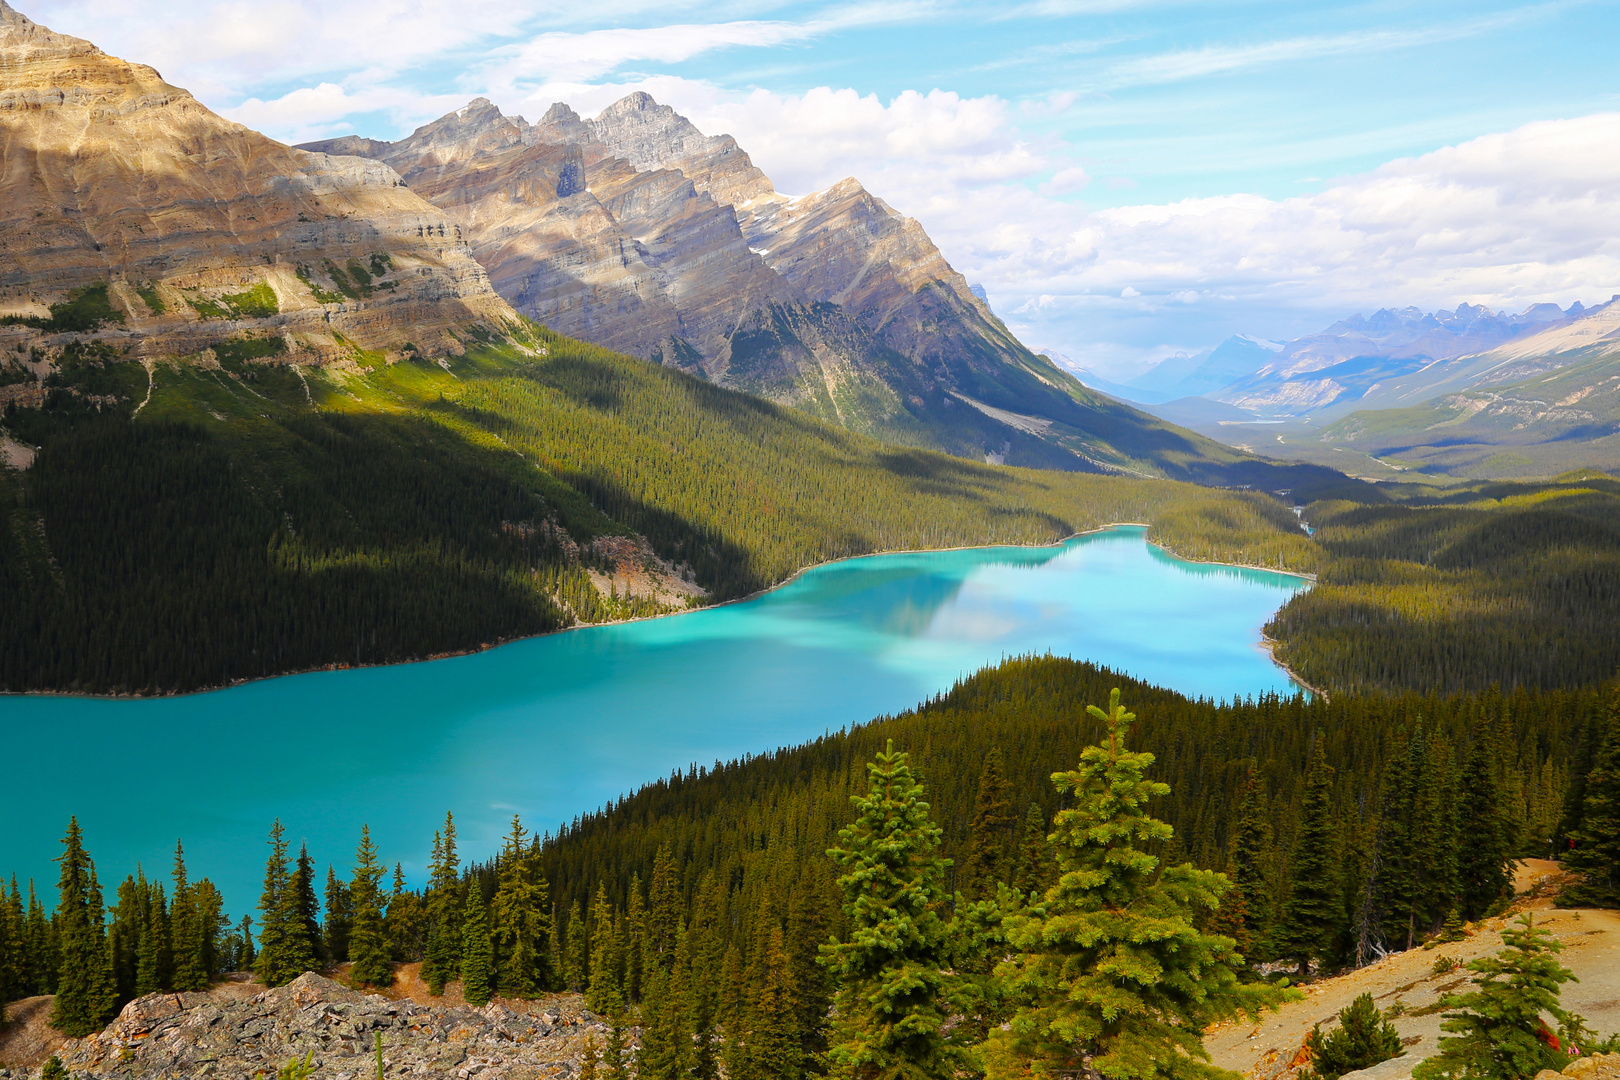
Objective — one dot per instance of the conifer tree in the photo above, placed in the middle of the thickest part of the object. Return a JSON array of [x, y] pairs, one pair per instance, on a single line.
[[86, 994], [442, 962], [1483, 861], [273, 967], [1595, 853], [774, 1050], [127, 924], [155, 959], [663, 909], [664, 1039], [339, 919], [249, 952], [618, 1068], [1312, 908], [209, 907], [1246, 908], [1034, 856], [1497, 1030], [477, 955], [702, 995], [589, 1060], [522, 920], [368, 946], [889, 967], [577, 952], [1362, 1039], [988, 831], [634, 941], [1115, 978], [186, 931], [13, 949], [309, 915], [14, 958], [604, 993], [42, 957]]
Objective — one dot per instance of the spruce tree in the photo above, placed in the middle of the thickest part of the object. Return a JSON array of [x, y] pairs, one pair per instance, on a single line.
[[664, 1039], [634, 941], [589, 1060], [249, 952], [1114, 976], [577, 952], [604, 993], [477, 955], [442, 962], [521, 913], [889, 966], [309, 913], [155, 959], [1034, 855], [1249, 900], [271, 967], [368, 946], [86, 995], [186, 931], [42, 957], [1595, 850], [774, 1046], [663, 909], [988, 831], [1362, 1039], [1497, 1031], [1312, 909], [339, 919], [1483, 860]]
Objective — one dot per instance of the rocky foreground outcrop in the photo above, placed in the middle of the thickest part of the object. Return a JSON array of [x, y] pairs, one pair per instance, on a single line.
[[196, 1035]]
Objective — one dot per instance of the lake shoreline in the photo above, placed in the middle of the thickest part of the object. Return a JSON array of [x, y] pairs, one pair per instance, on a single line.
[[1265, 643]]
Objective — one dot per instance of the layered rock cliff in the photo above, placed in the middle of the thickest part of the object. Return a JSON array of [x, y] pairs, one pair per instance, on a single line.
[[171, 228], [638, 232]]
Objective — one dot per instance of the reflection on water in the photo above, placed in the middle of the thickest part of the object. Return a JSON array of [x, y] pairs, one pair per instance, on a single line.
[[552, 726]]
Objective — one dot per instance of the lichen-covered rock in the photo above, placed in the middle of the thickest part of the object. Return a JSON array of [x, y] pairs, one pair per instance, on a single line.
[[195, 1035]]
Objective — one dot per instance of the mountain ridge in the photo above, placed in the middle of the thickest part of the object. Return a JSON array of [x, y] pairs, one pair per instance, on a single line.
[[635, 230]]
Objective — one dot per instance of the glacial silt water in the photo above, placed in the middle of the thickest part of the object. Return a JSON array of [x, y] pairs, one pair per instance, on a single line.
[[553, 726]]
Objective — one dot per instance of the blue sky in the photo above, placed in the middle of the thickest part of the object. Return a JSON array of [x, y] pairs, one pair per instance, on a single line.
[[1066, 153]]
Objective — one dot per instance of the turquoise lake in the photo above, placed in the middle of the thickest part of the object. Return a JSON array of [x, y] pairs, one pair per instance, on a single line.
[[549, 727]]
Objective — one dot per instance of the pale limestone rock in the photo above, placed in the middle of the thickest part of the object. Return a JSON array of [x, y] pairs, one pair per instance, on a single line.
[[109, 175]]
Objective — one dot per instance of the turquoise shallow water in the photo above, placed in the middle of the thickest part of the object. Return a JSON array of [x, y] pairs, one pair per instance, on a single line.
[[553, 726]]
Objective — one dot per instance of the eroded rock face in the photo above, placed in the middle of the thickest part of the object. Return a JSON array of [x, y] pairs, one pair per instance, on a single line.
[[111, 176], [193, 1035]]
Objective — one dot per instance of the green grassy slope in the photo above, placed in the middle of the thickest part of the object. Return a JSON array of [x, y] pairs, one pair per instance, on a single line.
[[197, 523]]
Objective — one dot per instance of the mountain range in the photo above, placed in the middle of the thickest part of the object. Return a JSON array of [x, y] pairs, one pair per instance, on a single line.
[[636, 231], [1446, 390]]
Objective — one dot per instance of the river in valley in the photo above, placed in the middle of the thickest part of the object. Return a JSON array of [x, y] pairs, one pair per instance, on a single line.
[[552, 726]]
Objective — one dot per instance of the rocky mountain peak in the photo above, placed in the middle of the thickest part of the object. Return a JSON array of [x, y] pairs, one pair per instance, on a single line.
[[645, 133], [26, 41], [561, 124]]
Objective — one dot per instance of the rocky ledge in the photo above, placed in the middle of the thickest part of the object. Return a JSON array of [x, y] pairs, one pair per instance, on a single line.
[[195, 1035]]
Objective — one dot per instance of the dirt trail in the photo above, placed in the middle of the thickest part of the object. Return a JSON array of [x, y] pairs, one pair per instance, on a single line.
[[1271, 1050]]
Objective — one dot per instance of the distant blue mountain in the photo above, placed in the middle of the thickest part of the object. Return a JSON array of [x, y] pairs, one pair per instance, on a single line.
[[1202, 373]]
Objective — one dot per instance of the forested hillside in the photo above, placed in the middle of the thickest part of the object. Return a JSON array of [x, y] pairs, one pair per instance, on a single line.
[[1516, 583], [190, 524]]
